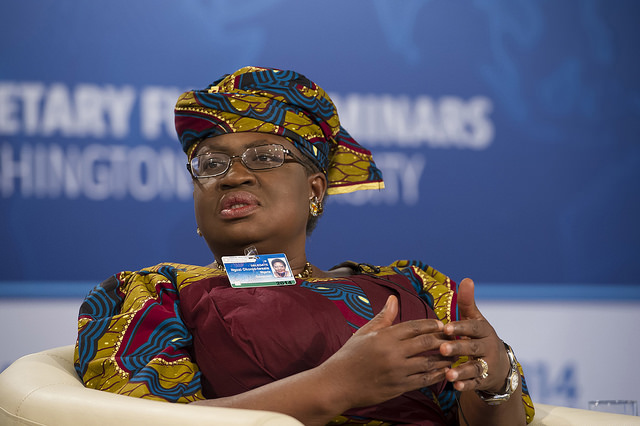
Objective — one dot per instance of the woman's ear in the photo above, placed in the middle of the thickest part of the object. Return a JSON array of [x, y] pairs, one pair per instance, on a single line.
[[317, 186]]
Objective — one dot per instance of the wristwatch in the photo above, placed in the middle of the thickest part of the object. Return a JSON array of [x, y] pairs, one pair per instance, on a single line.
[[513, 380]]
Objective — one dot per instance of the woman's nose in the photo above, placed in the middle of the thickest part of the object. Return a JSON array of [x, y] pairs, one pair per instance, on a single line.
[[237, 174]]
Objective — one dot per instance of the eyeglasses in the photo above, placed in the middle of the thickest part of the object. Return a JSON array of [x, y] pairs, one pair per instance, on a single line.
[[262, 157]]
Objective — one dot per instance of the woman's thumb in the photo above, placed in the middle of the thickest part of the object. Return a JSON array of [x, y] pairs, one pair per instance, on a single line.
[[384, 318]]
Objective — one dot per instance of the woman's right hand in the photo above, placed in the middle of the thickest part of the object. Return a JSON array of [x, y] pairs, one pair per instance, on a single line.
[[382, 361]]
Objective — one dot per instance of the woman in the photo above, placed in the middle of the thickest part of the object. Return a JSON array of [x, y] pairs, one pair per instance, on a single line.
[[354, 344]]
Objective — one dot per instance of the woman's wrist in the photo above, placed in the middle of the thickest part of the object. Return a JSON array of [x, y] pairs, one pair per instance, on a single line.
[[332, 393], [508, 386]]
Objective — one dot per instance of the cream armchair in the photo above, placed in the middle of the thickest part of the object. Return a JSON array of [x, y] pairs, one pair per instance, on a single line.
[[43, 389]]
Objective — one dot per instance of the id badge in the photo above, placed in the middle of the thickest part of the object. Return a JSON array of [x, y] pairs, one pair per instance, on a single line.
[[264, 270]]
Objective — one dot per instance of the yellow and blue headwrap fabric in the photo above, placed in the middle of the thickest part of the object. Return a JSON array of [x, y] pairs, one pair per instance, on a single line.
[[284, 103]]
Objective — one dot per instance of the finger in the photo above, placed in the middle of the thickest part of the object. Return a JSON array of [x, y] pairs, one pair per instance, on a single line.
[[466, 376], [424, 379], [428, 343], [384, 318], [468, 347], [466, 385], [417, 328], [468, 328], [428, 363], [421, 365], [466, 300]]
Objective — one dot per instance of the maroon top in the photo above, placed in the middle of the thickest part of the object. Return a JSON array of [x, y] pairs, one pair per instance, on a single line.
[[245, 338]]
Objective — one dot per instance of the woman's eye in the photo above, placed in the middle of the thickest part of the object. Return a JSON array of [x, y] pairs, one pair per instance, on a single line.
[[266, 157], [211, 163]]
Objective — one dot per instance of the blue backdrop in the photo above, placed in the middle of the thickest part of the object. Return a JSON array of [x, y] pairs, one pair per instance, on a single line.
[[507, 131]]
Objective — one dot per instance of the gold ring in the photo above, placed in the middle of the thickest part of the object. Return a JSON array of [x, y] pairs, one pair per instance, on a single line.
[[485, 368]]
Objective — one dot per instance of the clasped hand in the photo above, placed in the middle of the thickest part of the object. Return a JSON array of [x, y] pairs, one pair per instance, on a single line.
[[382, 361]]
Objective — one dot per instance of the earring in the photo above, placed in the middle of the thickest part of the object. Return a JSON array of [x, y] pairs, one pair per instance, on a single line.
[[315, 207], [198, 232]]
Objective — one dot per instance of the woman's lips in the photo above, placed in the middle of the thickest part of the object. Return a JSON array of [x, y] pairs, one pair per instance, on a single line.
[[236, 205]]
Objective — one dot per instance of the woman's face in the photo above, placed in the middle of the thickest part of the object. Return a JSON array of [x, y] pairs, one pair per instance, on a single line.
[[279, 268], [265, 208]]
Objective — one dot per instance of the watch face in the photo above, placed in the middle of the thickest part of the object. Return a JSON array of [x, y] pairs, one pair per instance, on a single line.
[[514, 380]]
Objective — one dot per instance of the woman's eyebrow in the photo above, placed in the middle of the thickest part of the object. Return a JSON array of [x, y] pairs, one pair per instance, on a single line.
[[206, 149]]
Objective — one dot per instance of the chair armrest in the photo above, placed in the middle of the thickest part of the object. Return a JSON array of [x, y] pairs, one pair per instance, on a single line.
[[43, 389], [551, 415]]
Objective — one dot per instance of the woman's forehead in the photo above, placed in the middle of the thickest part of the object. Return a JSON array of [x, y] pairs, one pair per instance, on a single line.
[[238, 142]]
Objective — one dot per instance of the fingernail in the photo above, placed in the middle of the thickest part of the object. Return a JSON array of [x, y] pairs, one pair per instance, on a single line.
[[445, 349]]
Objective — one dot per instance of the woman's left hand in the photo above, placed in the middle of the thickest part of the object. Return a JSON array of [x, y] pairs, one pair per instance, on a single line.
[[476, 339]]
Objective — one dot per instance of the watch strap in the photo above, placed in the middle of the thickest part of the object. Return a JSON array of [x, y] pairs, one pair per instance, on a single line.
[[511, 385]]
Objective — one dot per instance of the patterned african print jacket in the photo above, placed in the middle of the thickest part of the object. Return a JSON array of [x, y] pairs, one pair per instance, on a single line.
[[181, 333]]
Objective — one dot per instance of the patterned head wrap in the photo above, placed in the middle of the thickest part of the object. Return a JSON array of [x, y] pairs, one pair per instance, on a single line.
[[283, 103]]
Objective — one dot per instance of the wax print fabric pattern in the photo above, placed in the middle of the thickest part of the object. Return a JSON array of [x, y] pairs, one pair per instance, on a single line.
[[283, 103], [180, 333]]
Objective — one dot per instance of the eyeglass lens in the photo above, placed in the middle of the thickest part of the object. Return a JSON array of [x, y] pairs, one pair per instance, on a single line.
[[255, 158]]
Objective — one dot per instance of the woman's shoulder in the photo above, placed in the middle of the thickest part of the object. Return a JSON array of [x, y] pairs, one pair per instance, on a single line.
[[130, 291], [427, 273], [175, 268], [420, 269], [437, 289], [152, 278]]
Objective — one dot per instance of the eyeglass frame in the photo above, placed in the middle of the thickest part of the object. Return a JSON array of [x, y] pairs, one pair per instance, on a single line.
[[294, 159]]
